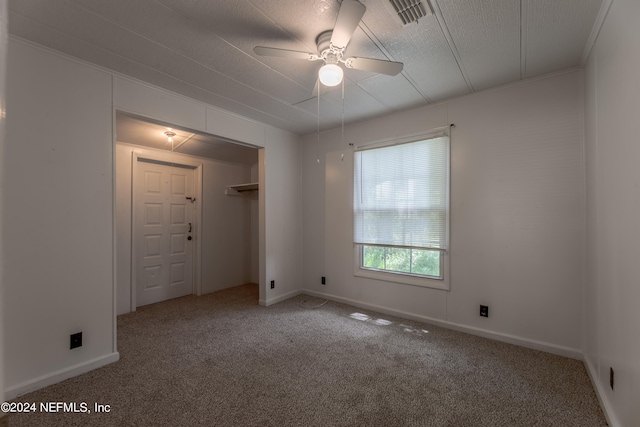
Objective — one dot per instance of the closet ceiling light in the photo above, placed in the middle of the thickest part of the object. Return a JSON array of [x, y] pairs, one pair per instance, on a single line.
[[170, 136]]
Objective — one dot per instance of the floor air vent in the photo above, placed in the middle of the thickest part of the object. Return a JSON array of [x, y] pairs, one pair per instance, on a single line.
[[410, 10]]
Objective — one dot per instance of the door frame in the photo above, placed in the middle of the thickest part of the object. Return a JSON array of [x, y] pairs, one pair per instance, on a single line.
[[169, 159]]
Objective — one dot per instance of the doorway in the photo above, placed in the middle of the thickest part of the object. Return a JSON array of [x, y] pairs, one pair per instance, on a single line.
[[225, 236], [163, 229]]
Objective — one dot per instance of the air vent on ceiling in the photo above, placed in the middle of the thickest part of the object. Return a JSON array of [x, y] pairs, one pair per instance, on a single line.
[[411, 10]]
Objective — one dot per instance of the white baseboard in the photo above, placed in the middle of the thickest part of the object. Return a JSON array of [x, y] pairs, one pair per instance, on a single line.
[[511, 339], [279, 298], [60, 375], [600, 393]]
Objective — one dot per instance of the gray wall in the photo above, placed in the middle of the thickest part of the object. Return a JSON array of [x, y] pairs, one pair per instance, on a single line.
[[3, 75], [612, 318], [58, 217]]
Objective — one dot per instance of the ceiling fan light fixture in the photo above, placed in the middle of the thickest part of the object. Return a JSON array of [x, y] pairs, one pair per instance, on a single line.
[[330, 74]]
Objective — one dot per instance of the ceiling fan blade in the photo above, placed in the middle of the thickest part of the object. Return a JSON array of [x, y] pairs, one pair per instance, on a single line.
[[349, 16], [284, 53], [380, 66]]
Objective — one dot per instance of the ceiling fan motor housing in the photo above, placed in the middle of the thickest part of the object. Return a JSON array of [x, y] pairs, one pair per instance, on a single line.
[[324, 41], [328, 52]]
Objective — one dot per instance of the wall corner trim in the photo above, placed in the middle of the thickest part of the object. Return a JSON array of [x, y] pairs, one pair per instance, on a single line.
[[600, 394], [280, 298], [60, 375], [595, 31]]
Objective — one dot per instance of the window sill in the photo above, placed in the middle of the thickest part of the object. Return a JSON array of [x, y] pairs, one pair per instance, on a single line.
[[404, 279]]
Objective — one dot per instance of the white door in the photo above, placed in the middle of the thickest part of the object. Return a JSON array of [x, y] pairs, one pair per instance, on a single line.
[[163, 230]]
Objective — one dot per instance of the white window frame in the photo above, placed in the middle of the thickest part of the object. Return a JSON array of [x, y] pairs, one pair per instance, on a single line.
[[401, 277]]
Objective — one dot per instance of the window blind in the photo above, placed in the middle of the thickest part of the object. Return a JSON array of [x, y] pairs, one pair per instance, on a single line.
[[401, 195]]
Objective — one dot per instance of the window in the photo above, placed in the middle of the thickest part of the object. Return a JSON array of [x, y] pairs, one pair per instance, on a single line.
[[401, 211], [417, 262]]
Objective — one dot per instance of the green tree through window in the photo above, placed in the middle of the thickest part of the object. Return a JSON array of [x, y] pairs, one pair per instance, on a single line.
[[418, 262]]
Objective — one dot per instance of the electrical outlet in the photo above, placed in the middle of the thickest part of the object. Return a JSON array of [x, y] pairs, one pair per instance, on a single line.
[[273, 284], [324, 280], [611, 374], [75, 340], [484, 311]]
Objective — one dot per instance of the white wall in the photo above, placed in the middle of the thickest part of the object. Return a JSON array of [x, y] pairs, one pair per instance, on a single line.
[[517, 222], [57, 218], [226, 224], [612, 318], [59, 210]]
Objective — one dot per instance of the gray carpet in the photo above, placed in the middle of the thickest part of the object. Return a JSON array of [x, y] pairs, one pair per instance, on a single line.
[[223, 360]]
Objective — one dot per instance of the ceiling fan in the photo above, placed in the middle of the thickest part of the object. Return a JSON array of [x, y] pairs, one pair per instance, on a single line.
[[331, 46]]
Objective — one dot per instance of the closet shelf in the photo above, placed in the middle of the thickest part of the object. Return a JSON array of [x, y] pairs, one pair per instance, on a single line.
[[238, 189]]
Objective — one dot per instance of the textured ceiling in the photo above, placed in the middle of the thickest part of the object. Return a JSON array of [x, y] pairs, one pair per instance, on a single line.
[[204, 49]]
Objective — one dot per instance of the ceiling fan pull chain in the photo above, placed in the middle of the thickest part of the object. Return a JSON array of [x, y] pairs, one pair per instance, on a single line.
[[318, 133], [342, 144]]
